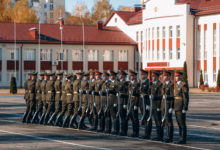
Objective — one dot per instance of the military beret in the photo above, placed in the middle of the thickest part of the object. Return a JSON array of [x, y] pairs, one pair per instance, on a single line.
[[178, 73], [69, 76], [144, 72], [132, 73], [166, 73], [155, 73], [98, 73]]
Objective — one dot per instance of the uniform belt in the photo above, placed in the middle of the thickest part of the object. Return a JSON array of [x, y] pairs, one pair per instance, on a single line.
[[58, 92], [68, 94], [63, 91], [38, 91], [178, 97], [75, 92], [49, 91]]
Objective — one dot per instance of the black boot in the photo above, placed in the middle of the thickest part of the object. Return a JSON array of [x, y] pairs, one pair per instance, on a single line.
[[116, 127], [169, 138], [81, 124], [46, 119], [95, 124], [51, 119], [135, 130], [42, 118], [159, 134], [56, 123], [24, 117], [73, 123], [108, 128], [122, 133], [147, 132], [182, 139], [34, 117], [28, 118], [65, 121], [102, 125]]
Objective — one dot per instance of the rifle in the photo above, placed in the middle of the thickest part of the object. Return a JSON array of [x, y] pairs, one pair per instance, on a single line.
[[130, 103], [88, 101], [151, 101], [100, 110], [80, 100], [93, 103], [144, 109], [119, 106], [107, 101], [165, 107]]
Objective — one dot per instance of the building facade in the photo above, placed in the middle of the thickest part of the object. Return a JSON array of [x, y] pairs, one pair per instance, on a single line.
[[170, 32]]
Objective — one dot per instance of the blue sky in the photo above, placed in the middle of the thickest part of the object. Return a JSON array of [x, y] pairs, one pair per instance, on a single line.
[[115, 3]]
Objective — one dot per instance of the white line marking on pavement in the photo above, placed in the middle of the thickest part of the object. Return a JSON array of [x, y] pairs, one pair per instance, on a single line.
[[203, 127], [53, 140]]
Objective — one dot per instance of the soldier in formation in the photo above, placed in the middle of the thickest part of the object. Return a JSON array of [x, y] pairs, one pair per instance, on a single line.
[[109, 101]]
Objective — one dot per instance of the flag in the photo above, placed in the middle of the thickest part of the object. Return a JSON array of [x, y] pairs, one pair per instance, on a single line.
[[61, 23]]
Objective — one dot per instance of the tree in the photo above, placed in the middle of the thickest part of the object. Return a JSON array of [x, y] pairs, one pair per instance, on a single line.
[[218, 79], [23, 13], [201, 78], [185, 76], [6, 11], [13, 85], [101, 11], [58, 12]]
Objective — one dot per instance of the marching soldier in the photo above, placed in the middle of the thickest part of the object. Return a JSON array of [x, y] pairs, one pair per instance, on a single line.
[[58, 102], [181, 101], [64, 102], [91, 88], [26, 97], [156, 93], [50, 97], [145, 103], [132, 113], [76, 99], [39, 102], [32, 97], [85, 101], [69, 99], [43, 97], [167, 106], [96, 100], [123, 90], [103, 106]]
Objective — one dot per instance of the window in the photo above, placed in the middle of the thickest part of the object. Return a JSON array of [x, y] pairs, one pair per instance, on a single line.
[[137, 36], [205, 50], [158, 33], [51, 7], [93, 55], [116, 20], [152, 54], [45, 6], [214, 42], [178, 53], [158, 54], [214, 76], [61, 55], [51, 15], [0, 54], [123, 55], [152, 33], [108, 55], [45, 54], [170, 53], [170, 32], [205, 77], [178, 31], [10, 74], [30, 54], [164, 54], [77, 55], [164, 32], [12, 55]]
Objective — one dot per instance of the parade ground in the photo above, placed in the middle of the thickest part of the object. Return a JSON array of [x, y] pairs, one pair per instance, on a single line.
[[203, 122]]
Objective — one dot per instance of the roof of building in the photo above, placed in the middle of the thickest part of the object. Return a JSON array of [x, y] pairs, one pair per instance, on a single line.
[[129, 17], [72, 34], [203, 7]]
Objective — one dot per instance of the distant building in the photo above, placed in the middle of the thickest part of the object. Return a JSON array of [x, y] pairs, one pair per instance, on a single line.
[[45, 8]]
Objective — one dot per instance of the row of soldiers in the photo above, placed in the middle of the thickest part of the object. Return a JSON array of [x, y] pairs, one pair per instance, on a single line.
[[107, 99]]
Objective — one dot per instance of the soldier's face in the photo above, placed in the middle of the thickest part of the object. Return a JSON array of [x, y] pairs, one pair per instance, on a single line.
[[97, 77], [79, 76], [105, 77], [86, 77], [166, 78], [143, 76], [59, 77], [29, 76], [51, 77], [91, 76], [112, 77], [132, 77], [33, 77], [154, 78], [41, 77], [121, 76], [178, 78]]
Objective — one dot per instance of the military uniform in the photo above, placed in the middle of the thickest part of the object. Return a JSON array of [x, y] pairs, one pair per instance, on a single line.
[[26, 97], [64, 103], [43, 98], [32, 98], [69, 98], [145, 105], [58, 102], [181, 101], [76, 100], [168, 89], [50, 98], [39, 102], [156, 92], [133, 89], [89, 110], [123, 89]]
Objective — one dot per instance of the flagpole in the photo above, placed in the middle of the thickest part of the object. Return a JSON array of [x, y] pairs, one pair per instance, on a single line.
[[39, 38], [15, 47]]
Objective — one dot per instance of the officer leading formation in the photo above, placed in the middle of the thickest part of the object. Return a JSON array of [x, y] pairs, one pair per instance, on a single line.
[[109, 101]]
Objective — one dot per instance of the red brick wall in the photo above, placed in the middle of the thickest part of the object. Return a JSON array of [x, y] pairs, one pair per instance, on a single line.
[[65, 65], [93, 65], [29, 65], [11, 65], [123, 65], [77, 65], [108, 65], [46, 65]]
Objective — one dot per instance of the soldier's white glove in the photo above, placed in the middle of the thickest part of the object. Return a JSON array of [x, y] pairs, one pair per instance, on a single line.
[[135, 107], [94, 104], [170, 110], [125, 106], [184, 111], [158, 109], [115, 105], [147, 107]]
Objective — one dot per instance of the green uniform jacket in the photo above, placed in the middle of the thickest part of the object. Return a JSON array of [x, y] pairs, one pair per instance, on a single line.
[[43, 90], [50, 90], [76, 87], [38, 90], [63, 97], [135, 88], [168, 89], [113, 90], [156, 90], [31, 89], [84, 87], [58, 89], [26, 94], [145, 90], [69, 92]]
